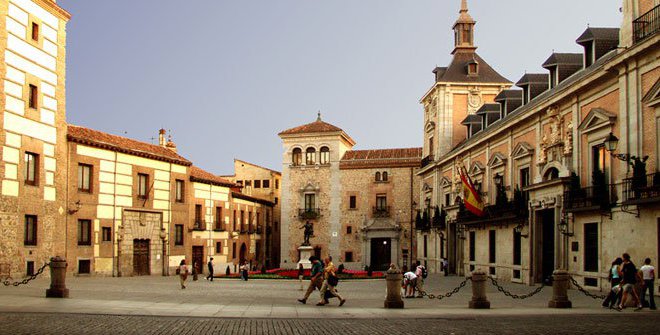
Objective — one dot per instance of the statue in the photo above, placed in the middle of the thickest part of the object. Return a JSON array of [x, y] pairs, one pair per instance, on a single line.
[[309, 232]]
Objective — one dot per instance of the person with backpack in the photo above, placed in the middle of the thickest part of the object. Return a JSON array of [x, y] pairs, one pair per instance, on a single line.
[[421, 274]]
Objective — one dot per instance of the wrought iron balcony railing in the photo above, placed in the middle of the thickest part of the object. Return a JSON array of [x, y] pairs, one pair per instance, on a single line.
[[507, 210], [427, 161], [597, 197], [381, 211], [646, 25], [641, 190], [309, 213], [199, 225]]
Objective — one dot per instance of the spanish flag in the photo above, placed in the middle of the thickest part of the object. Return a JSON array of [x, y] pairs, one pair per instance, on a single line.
[[471, 198]]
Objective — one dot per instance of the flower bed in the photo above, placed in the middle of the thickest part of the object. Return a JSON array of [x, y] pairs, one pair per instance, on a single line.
[[293, 274]]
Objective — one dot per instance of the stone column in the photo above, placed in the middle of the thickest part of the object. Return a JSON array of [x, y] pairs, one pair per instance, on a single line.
[[393, 280], [560, 283], [479, 299], [57, 279]]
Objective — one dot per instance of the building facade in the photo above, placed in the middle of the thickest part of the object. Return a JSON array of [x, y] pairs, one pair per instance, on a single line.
[[557, 192], [360, 203]]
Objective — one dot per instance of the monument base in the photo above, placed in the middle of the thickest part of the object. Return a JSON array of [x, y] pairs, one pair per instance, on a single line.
[[305, 254]]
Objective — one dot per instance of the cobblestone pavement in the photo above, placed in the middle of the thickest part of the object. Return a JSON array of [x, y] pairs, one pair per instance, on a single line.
[[161, 296], [34, 323]]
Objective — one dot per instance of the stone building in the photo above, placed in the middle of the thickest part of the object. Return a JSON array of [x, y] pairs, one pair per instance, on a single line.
[[558, 193], [33, 188], [359, 202], [262, 183]]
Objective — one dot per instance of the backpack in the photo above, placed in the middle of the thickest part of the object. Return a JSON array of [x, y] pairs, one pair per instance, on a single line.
[[425, 273]]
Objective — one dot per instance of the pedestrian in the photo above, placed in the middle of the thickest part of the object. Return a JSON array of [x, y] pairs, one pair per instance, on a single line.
[[210, 266], [648, 275], [183, 271], [245, 271], [330, 283], [316, 278], [409, 282], [628, 281], [421, 273], [445, 266], [301, 274], [614, 297]]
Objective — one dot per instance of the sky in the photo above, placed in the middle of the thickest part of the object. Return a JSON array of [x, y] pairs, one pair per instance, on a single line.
[[224, 77]]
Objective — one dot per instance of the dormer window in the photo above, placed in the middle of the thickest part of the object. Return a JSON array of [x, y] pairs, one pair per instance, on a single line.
[[554, 76], [589, 54], [473, 68]]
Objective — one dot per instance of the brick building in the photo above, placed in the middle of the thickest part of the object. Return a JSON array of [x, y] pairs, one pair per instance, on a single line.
[[557, 194], [359, 202]]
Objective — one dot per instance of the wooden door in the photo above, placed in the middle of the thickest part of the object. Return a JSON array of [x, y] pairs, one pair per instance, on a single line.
[[198, 258], [381, 254], [141, 258]]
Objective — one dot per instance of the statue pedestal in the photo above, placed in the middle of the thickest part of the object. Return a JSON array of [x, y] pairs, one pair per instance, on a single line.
[[305, 254]]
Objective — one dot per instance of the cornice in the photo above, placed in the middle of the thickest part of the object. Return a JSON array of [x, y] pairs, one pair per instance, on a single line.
[[54, 9]]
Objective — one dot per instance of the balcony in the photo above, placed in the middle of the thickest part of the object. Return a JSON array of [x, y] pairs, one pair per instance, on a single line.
[[260, 230], [251, 230], [646, 25], [645, 190], [506, 211], [598, 197], [381, 211], [309, 213], [199, 225], [428, 160], [244, 229]]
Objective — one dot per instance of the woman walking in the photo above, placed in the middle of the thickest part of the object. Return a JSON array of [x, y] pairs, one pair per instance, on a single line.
[[301, 274], [614, 276], [183, 273]]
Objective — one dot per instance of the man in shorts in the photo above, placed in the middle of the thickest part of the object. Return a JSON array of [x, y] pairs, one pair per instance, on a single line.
[[630, 275]]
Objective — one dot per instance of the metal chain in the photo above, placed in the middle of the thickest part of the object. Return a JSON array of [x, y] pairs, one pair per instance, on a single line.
[[587, 293], [27, 279], [516, 296], [448, 294]]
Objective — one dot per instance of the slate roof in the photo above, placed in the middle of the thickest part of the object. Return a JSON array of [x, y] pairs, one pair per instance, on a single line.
[[99, 139], [472, 119], [457, 71], [381, 158], [563, 59], [489, 108], [509, 95], [594, 33], [533, 78], [202, 176]]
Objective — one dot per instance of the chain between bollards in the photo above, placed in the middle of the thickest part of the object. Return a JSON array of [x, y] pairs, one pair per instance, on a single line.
[[448, 294], [515, 296], [587, 293], [28, 279]]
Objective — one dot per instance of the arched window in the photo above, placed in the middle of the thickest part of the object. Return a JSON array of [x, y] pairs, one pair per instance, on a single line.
[[296, 156], [325, 156], [551, 174], [377, 176], [310, 156], [385, 176]]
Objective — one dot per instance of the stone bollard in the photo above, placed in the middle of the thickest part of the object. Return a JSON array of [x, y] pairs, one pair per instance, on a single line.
[[393, 279], [479, 299], [57, 279], [560, 284]]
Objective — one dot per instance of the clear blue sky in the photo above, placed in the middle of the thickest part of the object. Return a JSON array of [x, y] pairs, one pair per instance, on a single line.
[[226, 76]]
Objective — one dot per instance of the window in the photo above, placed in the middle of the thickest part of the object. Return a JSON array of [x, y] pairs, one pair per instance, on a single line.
[[35, 31], [218, 218], [84, 266], [235, 222], [266, 183], [84, 178], [84, 232], [598, 166], [277, 184], [524, 177], [198, 217], [324, 156], [310, 156], [385, 176], [551, 174], [29, 268], [257, 184], [275, 200], [218, 248], [431, 150], [143, 186], [30, 230], [250, 218], [348, 256], [179, 190], [106, 234], [447, 199], [377, 176], [242, 220], [34, 97], [381, 202], [492, 245], [178, 234], [310, 202], [473, 241], [517, 250], [349, 230], [296, 157], [591, 247], [248, 183], [239, 182], [352, 202], [473, 68], [233, 250], [425, 246], [30, 169]]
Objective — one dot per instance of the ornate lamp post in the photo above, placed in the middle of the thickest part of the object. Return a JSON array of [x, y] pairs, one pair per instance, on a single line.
[[612, 142]]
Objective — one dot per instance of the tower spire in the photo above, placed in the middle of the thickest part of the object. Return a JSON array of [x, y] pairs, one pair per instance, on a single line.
[[464, 6], [464, 30]]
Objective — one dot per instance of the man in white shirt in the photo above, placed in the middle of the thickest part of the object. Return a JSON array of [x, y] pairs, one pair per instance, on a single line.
[[648, 274], [410, 281]]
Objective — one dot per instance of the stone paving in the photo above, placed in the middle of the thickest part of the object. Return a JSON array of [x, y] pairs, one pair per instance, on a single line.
[[161, 296]]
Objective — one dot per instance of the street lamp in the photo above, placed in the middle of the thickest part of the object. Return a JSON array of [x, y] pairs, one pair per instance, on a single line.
[[611, 143]]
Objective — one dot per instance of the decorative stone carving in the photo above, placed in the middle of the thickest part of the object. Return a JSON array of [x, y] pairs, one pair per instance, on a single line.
[[568, 139], [556, 142], [474, 100]]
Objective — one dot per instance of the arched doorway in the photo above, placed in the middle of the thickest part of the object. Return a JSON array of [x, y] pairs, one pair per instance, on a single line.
[[243, 253]]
